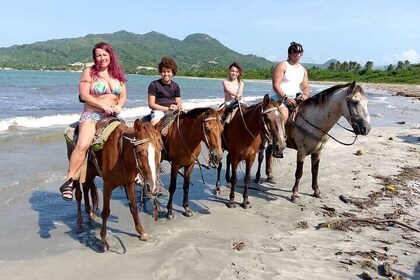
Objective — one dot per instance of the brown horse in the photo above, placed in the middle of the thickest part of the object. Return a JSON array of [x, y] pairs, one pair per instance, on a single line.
[[182, 147], [242, 138], [128, 151], [308, 133]]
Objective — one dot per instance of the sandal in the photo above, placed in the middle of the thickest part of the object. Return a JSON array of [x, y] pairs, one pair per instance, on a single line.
[[66, 190]]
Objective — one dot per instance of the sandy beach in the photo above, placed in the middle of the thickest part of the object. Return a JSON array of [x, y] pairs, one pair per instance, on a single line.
[[275, 239]]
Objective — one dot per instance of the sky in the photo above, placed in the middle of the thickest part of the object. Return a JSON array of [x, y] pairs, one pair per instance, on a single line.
[[381, 31]]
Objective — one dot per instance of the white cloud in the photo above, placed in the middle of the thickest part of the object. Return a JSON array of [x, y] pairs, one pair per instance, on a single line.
[[411, 55]]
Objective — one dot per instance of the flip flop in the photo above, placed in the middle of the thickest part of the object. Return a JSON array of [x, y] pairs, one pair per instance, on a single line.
[[66, 190]]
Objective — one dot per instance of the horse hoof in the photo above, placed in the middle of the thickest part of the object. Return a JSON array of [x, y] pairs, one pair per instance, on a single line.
[[170, 216], [103, 246], [144, 236], [188, 213], [257, 181], [246, 205], [79, 229], [294, 197], [317, 194], [270, 179], [216, 192], [231, 205]]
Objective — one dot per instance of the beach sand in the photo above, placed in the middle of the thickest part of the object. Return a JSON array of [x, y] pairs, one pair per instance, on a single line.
[[275, 239]]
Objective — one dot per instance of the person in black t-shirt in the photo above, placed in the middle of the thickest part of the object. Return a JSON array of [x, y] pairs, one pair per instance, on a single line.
[[164, 95]]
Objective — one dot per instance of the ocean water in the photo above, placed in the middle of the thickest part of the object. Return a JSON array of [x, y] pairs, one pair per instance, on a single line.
[[36, 106]]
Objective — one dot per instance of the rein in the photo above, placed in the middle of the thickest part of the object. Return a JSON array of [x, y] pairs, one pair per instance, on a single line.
[[326, 133], [135, 143], [207, 143]]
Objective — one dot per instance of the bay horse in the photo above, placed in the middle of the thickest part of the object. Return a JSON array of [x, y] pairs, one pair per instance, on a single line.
[[242, 138], [308, 132], [128, 151], [182, 146]]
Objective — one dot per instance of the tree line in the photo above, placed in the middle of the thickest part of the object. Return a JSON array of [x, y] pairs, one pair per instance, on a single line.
[[402, 73]]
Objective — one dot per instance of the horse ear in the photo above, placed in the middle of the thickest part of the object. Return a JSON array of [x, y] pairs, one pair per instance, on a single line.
[[352, 87], [137, 124], [221, 110], [266, 99]]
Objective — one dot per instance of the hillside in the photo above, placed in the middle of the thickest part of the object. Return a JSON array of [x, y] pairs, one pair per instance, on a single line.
[[195, 52]]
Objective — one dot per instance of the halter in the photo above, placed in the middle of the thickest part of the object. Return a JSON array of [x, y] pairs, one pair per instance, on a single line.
[[326, 133], [267, 134], [135, 143], [206, 142]]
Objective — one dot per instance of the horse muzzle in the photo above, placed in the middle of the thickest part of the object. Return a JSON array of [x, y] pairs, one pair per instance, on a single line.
[[361, 128], [215, 158]]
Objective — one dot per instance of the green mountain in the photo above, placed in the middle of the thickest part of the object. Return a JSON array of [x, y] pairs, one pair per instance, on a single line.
[[195, 52]]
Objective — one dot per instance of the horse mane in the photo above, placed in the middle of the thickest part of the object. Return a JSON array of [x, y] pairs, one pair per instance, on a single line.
[[153, 135], [326, 94], [194, 112]]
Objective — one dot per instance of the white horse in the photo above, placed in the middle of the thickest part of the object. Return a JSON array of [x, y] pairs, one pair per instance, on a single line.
[[308, 132]]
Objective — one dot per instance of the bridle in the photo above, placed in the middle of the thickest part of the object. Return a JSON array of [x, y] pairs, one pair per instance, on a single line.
[[265, 112], [351, 120], [207, 142]]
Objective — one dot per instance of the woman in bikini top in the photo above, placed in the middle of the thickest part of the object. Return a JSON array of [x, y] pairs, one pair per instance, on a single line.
[[102, 88]]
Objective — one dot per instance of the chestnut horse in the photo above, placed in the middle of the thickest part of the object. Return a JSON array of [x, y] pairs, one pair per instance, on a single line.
[[128, 151], [242, 138], [182, 147], [308, 133]]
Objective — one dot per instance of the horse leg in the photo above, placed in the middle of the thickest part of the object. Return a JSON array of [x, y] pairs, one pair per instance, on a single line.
[[185, 202], [218, 184], [246, 204], [298, 175], [90, 188], [315, 158], [227, 175], [260, 159], [172, 188], [234, 180], [105, 214], [78, 194], [269, 162], [133, 210]]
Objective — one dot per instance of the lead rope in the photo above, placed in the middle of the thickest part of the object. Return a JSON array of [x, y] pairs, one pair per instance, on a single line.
[[326, 133]]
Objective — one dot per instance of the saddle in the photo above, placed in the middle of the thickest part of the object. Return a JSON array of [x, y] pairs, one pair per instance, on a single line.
[[167, 121], [104, 128], [231, 110]]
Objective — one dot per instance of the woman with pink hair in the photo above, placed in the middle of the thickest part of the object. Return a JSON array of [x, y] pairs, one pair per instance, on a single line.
[[102, 90]]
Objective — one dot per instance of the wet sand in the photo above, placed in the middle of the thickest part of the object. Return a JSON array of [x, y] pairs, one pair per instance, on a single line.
[[276, 239]]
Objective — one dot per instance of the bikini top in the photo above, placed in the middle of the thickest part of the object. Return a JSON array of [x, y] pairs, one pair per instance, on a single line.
[[101, 87]]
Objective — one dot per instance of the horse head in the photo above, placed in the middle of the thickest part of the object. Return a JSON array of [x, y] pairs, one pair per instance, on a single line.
[[356, 106], [148, 147], [212, 132], [274, 125]]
